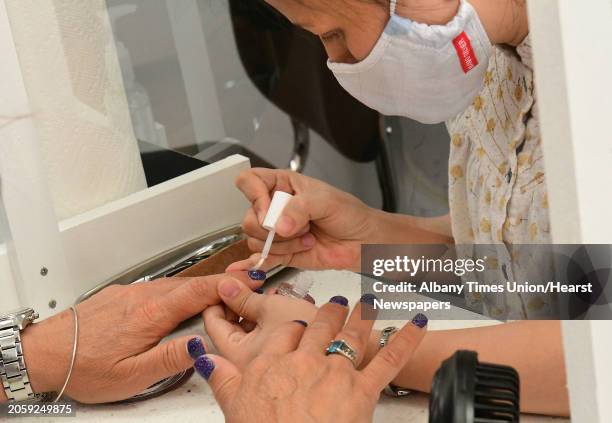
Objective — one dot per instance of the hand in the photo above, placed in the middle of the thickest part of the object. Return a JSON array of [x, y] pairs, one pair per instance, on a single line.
[[262, 314], [293, 379], [321, 227], [120, 328]]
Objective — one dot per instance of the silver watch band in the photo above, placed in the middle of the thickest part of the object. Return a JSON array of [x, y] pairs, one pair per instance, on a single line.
[[13, 371]]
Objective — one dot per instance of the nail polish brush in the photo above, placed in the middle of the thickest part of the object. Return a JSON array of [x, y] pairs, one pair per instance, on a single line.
[[279, 201]]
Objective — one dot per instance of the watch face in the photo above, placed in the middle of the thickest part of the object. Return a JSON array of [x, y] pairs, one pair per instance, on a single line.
[[21, 317]]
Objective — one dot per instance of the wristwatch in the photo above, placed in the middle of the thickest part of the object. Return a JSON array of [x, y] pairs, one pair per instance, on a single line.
[[13, 372], [391, 389]]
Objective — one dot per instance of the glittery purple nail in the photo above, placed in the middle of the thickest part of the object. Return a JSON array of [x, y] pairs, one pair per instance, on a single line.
[[257, 275], [204, 366], [195, 348], [301, 322], [368, 299], [340, 300], [259, 290], [420, 320]]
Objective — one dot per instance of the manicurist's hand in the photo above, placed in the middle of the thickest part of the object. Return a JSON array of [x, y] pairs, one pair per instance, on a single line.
[[119, 352], [293, 380], [321, 227]]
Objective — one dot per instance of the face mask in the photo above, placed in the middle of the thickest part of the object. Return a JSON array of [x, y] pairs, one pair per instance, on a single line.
[[426, 73]]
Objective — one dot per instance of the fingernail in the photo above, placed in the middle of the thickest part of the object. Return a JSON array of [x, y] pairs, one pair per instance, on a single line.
[[339, 299], [204, 366], [259, 291], [229, 289], [257, 275], [308, 240], [420, 320], [301, 322], [195, 348], [285, 225], [368, 299]]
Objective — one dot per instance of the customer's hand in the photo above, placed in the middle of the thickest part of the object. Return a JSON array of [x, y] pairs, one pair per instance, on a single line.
[[321, 227], [293, 380], [262, 315], [120, 328]]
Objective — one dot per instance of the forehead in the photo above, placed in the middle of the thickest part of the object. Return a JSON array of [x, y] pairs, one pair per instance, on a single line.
[[306, 13]]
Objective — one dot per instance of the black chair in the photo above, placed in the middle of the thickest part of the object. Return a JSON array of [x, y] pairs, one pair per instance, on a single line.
[[288, 66]]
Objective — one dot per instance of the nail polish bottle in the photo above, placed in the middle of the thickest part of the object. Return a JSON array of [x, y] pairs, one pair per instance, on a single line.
[[299, 289]]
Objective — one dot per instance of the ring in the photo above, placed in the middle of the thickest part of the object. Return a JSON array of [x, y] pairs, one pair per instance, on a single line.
[[339, 346]]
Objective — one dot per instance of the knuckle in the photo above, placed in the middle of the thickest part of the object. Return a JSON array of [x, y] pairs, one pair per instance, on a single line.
[[170, 359], [321, 326], [150, 311], [351, 335], [253, 244], [226, 389], [242, 178], [199, 287], [250, 225], [391, 357], [244, 304]]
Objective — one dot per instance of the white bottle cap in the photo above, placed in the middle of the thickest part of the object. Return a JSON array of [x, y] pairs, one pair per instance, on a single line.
[[279, 201]]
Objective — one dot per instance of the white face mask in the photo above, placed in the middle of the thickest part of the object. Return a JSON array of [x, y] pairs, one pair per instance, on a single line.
[[426, 73]]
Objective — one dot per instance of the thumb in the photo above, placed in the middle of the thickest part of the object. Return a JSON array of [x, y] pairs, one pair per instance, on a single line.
[[222, 376], [169, 358], [240, 299], [300, 211]]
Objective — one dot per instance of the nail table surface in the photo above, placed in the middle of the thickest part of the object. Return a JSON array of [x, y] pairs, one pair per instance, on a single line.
[[194, 402]]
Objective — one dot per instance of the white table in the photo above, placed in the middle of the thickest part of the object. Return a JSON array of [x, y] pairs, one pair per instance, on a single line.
[[194, 402]]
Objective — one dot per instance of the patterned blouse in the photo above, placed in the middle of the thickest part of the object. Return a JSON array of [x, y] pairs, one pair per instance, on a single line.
[[497, 185]]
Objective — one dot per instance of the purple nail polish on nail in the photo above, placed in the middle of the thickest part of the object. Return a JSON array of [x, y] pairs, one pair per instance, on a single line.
[[204, 366], [195, 348], [257, 275], [368, 299], [420, 320], [340, 300], [301, 322], [259, 290]]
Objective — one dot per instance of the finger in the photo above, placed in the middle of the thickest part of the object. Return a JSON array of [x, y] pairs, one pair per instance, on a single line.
[[222, 376], [239, 298], [293, 246], [252, 227], [302, 209], [271, 262], [357, 330], [256, 191], [391, 359], [189, 298], [326, 324], [224, 335], [167, 359], [285, 338]]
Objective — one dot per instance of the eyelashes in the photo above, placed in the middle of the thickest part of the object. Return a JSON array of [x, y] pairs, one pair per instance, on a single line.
[[331, 36]]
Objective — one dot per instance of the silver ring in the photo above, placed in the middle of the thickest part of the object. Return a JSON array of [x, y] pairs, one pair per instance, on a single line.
[[340, 346]]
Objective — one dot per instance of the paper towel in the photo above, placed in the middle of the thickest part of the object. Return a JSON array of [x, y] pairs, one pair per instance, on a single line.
[[73, 79]]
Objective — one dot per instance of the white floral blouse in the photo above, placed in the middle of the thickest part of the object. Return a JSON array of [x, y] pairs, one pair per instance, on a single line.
[[497, 185]]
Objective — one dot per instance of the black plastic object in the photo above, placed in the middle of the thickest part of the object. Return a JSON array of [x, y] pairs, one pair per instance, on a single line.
[[466, 391]]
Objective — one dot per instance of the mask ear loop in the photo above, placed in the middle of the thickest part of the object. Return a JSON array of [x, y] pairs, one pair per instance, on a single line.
[[392, 6]]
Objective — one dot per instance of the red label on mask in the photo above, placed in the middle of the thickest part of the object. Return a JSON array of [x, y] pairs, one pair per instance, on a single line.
[[467, 57]]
